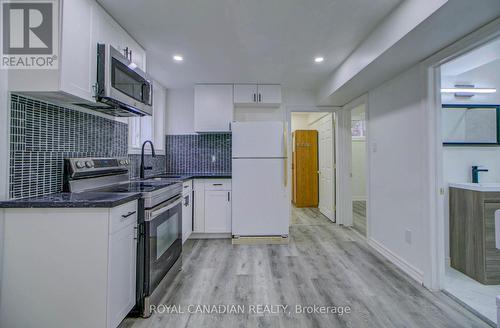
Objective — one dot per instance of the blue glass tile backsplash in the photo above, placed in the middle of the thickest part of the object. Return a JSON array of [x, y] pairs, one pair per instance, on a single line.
[[198, 153], [43, 134]]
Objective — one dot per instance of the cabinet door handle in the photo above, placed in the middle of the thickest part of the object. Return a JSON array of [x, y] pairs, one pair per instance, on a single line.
[[254, 97], [228, 196], [217, 184], [128, 214], [260, 97]]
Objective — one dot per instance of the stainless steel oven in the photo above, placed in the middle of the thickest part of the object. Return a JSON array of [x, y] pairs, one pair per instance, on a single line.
[[121, 84], [163, 247]]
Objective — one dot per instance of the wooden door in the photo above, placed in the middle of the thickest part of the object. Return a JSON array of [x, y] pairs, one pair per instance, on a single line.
[[305, 168]]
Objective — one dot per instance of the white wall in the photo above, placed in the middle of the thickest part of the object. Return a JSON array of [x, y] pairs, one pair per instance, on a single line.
[[179, 118], [486, 76], [358, 169], [397, 190], [300, 121]]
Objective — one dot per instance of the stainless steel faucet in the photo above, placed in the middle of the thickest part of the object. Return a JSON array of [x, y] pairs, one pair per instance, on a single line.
[[475, 173], [144, 168]]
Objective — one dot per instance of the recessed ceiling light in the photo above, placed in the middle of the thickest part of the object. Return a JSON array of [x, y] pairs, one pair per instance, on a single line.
[[178, 58], [319, 59]]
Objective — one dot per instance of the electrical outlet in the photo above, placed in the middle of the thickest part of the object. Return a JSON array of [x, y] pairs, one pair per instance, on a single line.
[[408, 236], [213, 158], [374, 147]]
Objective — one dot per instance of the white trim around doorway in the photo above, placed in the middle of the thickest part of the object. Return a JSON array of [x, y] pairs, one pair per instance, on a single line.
[[288, 122], [431, 102]]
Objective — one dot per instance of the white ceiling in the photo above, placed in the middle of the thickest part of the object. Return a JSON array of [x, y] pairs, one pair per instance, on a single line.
[[271, 41]]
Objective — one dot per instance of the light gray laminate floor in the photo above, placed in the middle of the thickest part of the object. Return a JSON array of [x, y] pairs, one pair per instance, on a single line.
[[359, 216], [324, 265]]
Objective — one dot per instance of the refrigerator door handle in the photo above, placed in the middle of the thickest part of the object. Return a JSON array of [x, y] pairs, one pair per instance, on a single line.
[[285, 152]]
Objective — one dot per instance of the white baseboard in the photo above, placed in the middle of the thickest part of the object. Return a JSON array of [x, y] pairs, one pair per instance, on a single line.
[[204, 235], [406, 267]]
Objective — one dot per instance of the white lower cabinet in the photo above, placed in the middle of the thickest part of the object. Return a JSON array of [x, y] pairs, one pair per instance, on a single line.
[[187, 210], [68, 266], [121, 273], [217, 211], [212, 206]]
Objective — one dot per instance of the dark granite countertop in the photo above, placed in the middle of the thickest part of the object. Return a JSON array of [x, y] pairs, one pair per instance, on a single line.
[[88, 199], [195, 175]]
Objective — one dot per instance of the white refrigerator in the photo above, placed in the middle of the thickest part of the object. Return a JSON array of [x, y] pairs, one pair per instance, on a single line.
[[260, 204]]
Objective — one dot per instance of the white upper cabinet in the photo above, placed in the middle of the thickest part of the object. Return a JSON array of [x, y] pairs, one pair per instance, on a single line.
[[245, 93], [159, 112], [269, 94], [77, 64], [84, 23], [257, 94], [213, 107], [150, 127]]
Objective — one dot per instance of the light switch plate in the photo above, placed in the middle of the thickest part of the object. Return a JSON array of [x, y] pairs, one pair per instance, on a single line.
[[408, 236]]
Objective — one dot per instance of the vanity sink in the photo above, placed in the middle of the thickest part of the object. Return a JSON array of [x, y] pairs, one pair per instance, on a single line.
[[484, 187]]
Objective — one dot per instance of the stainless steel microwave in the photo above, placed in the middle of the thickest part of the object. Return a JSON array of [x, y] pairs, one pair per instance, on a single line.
[[121, 85]]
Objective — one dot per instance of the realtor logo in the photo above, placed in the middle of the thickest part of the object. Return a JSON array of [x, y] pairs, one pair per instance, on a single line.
[[29, 34]]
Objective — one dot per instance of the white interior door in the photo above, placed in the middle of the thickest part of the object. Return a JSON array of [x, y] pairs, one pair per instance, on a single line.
[[326, 167]]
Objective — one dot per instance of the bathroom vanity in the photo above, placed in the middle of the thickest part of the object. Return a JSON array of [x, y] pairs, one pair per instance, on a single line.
[[472, 231]]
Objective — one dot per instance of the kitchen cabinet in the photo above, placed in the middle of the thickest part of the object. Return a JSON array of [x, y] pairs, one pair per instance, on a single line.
[[88, 272], [187, 209], [217, 211], [199, 205], [150, 127], [212, 206], [83, 24], [257, 94], [213, 107], [122, 273]]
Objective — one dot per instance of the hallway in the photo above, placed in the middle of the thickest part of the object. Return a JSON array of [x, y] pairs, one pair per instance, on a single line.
[[323, 265]]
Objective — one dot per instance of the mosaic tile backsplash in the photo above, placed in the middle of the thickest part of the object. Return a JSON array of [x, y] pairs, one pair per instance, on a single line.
[[42, 135], [157, 163], [200, 153]]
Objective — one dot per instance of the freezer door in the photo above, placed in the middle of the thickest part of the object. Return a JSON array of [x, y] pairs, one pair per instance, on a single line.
[[258, 139], [260, 205]]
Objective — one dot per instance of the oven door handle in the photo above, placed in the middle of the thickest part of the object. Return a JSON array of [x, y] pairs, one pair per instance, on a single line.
[[162, 210]]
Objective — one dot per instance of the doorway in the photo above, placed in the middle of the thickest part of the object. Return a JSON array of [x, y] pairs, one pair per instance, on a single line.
[[468, 136], [313, 161], [358, 168]]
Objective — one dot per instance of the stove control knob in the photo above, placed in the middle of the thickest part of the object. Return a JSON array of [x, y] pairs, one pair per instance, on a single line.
[[123, 162], [80, 165], [127, 162], [89, 164]]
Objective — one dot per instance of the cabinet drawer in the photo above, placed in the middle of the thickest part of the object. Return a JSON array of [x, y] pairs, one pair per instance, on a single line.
[[122, 216], [218, 184]]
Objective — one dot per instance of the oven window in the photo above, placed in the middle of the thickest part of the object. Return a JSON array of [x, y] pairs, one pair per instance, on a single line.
[[166, 234], [127, 81]]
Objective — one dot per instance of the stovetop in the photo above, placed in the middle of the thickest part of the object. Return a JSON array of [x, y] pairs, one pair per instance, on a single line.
[[139, 186]]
